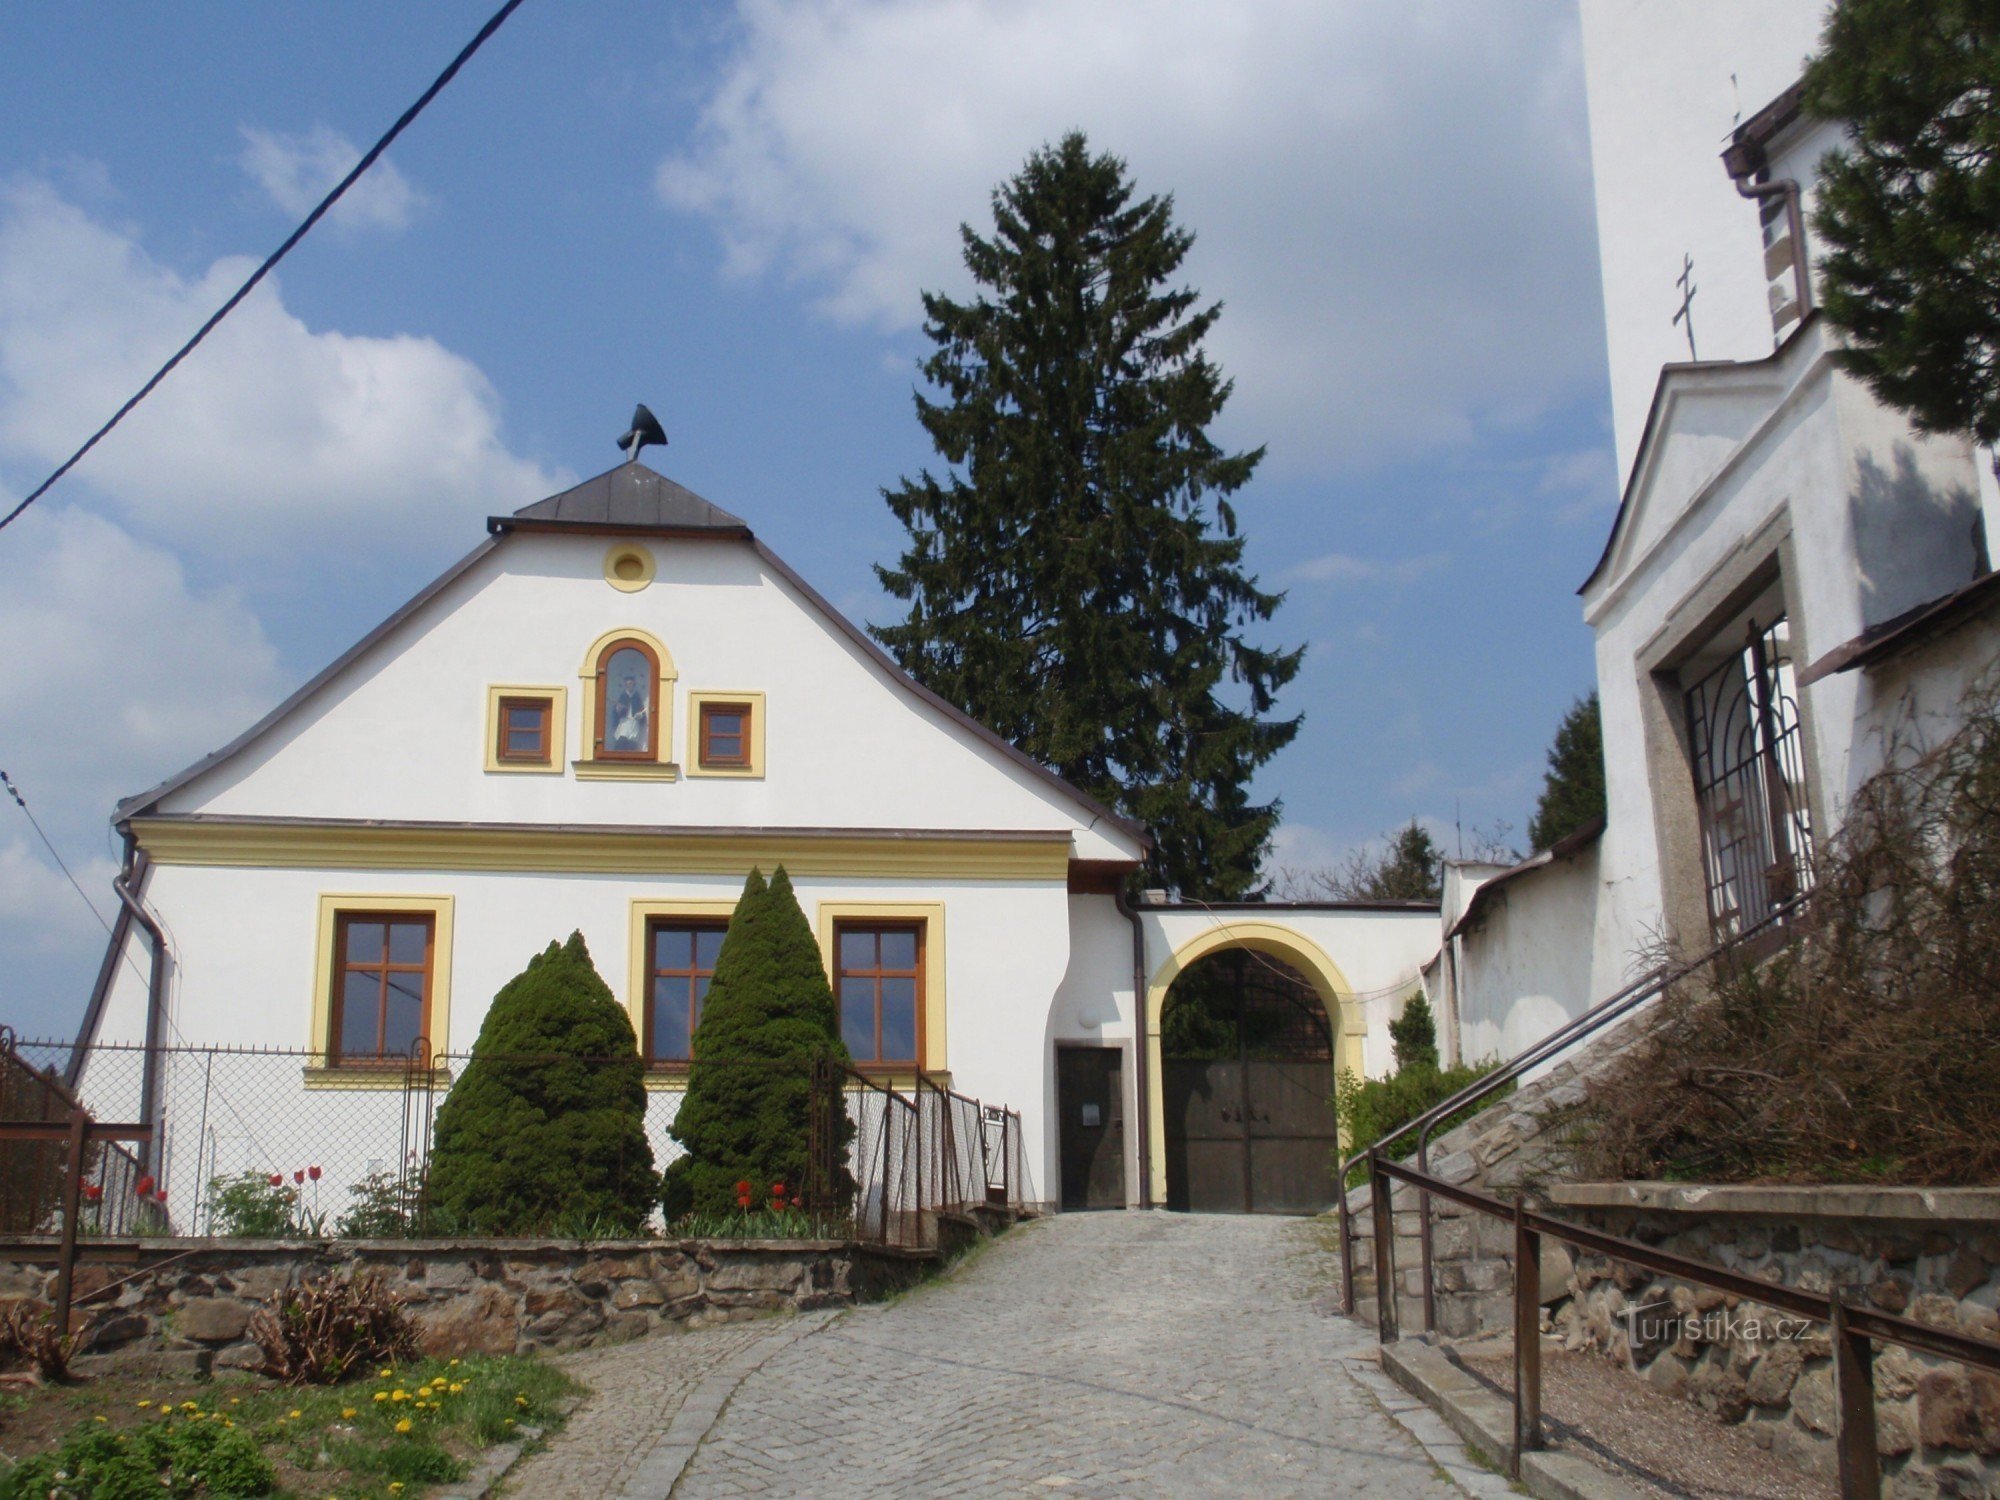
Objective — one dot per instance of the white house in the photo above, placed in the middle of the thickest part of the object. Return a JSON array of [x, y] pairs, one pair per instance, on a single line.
[[1797, 586], [601, 719]]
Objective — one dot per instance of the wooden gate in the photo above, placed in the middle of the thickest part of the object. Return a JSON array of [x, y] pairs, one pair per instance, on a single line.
[[1249, 1099]]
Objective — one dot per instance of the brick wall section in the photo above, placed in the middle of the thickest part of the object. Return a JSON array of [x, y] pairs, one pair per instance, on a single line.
[[187, 1303], [1932, 1254]]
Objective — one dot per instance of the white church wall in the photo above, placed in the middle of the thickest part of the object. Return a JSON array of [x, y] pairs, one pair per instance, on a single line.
[[1667, 84], [401, 733], [1524, 967]]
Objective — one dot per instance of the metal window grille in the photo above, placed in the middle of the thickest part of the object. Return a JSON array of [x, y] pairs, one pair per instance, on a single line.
[[1750, 781]]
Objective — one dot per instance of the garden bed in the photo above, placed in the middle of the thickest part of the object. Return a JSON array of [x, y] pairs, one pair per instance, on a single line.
[[389, 1435]]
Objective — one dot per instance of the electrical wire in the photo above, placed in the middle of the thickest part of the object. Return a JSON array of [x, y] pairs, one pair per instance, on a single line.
[[21, 802], [368, 160]]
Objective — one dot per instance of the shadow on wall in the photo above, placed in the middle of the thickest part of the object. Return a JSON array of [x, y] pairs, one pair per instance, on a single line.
[[1912, 541]]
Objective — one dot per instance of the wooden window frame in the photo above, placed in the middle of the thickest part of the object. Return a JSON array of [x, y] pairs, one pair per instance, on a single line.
[[544, 755], [345, 918], [878, 925], [656, 687], [744, 758], [665, 922]]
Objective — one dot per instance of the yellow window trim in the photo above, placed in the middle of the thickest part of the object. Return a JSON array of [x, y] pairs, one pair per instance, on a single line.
[[636, 986], [331, 905], [931, 914], [616, 554], [365, 1080], [558, 724], [696, 699], [661, 768]]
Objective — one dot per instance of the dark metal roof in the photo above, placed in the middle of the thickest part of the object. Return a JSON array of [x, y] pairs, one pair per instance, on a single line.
[[1907, 631], [1750, 140], [630, 498]]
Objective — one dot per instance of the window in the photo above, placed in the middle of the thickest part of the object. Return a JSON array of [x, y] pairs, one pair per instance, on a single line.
[[725, 734], [728, 733], [1749, 773], [381, 989], [524, 728], [524, 731], [878, 980], [680, 959], [628, 701]]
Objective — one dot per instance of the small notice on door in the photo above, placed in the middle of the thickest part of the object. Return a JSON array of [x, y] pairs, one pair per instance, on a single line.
[[1092, 1117]]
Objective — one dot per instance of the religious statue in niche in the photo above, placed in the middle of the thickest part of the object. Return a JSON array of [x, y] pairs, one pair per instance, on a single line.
[[628, 722]]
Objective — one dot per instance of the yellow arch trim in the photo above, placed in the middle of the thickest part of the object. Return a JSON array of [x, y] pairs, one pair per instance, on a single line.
[[630, 633], [1343, 1011]]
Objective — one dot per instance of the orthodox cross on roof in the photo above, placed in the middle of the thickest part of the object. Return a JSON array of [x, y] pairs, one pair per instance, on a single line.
[[1685, 281]]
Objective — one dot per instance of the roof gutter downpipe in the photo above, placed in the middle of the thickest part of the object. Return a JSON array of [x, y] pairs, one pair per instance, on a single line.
[[156, 1013], [1795, 227], [1141, 1049]]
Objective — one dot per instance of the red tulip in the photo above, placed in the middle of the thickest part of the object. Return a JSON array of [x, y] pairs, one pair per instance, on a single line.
[[313, 1173], [778, 1188], [743, 1200], [743, 1187], [160, 1196], [92, 1191], [143, 1186], [299, 1176], [277, 1178]]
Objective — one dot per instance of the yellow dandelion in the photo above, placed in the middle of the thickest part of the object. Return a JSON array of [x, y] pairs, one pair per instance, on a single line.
[[347, 1414], [235, 1400], [381, 1395], [510, 1421], [454, 1364], [385, 1374], [104, 1419], [190, 1406], [456, 1388], [404, 1425], [296, 1414], [520, 1400]]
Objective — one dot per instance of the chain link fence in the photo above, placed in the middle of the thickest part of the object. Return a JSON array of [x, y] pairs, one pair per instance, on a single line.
[[270, 1142]]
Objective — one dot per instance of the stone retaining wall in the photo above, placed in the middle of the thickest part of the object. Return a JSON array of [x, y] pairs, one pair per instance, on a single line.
[[1928, 1254], [186, 1304]]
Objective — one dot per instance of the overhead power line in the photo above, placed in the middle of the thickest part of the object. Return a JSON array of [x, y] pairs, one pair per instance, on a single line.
[[403, 122]]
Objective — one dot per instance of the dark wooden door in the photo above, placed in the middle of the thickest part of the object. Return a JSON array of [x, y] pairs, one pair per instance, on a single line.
[[1090, 1102], [1249, 1102]]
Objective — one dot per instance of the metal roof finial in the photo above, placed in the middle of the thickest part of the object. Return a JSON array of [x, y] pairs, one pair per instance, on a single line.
[[646, 429]]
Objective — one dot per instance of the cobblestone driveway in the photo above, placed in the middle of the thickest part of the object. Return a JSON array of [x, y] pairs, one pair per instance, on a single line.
[[1086, 1355]]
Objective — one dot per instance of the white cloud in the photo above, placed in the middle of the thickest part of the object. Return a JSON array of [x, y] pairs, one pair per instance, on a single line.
[[296, 171], [1392, 200], [272, 439], [1345, 567], [119, 671]]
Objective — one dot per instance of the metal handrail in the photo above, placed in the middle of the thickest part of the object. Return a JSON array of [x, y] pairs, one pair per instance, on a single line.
[[1612, 1008], [1855, 1329]]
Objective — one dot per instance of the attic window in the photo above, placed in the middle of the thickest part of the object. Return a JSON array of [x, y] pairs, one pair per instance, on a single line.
[[628, 567], [524, 728]]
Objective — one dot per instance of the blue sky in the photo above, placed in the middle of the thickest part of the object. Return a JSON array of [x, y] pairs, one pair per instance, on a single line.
[[729, 212]]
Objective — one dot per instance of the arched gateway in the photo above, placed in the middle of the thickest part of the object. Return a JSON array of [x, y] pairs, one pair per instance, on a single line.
[[1246, 1029]]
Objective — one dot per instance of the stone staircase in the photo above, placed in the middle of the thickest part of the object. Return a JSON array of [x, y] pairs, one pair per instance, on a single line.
[[1503, 1149]]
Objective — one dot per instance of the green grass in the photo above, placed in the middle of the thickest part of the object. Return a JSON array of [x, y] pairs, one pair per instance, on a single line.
[[384, 1436]]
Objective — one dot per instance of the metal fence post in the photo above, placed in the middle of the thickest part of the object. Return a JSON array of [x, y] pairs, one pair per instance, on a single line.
[[1424, 1235], [79, 1122], [1346, 1249], [1854, 1388], [1385, 1248], [1527, 1339]]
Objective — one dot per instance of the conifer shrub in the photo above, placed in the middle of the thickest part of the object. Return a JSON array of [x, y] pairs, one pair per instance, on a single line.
[[768, 1015], [547, 1127], [1374, 1109]]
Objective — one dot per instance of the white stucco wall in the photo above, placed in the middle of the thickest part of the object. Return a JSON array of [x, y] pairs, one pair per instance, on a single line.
[[1524, 966], [400, 733]]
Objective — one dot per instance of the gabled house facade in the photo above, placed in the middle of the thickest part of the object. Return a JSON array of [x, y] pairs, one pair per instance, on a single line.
[[601, 719]]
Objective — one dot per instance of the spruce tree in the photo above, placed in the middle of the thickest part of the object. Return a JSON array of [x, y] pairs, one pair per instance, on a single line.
[[1068, 583], [548, 1123], [768, 1015], [1911, 206], [1573, 788]]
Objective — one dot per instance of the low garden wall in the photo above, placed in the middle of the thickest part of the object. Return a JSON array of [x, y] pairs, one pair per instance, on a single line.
[[1931, 1254], [186, 1305]]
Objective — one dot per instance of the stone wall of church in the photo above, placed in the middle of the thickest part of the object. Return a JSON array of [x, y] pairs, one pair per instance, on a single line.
[[1929, 1254]]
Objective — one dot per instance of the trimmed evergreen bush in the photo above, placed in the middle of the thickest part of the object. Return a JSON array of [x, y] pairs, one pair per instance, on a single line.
[[768, 1014], [547, 1129]]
